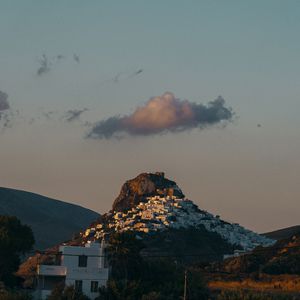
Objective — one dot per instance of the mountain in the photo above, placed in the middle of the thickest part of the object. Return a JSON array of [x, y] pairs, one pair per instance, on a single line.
[[155, 209], [52, 221], [154, 206], [283, 233]]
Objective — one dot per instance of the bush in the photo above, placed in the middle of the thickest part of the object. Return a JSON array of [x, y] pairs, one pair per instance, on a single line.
[[249, 295], [152, 296], [60, 292], [9, 295]]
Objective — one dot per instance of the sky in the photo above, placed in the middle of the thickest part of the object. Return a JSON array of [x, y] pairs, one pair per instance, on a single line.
[[95, 92]]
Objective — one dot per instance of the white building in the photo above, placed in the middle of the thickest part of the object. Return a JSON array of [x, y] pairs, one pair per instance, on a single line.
[[82, 267]]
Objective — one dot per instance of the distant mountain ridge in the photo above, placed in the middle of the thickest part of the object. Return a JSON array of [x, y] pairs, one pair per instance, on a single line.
[[283, 233], [52, 221]]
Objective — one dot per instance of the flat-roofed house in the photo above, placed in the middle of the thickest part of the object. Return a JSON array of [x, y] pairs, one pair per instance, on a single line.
[[82, 267]]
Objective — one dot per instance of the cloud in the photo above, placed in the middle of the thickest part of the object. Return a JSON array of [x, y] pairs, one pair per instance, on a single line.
[[121, 76], [76, 58], [163, 114], [136, 73], [44, 65], [4, 105], [47, 63], [60, 57], [6, 120], [74, 114], [49, 114], [6, 114]]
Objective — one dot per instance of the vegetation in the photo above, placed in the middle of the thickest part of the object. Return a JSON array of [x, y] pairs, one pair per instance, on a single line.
[[9, 295], [152, 278], [251, 295], [124, 255], [60, 292], [275, 268], [288, 284], [15, 239], [197, 245], [284, 264], [281, 258]]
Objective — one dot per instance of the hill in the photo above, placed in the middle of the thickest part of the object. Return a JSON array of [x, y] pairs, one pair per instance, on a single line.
[[52, 221], [284, 233], [281, 258], [273, 268], [152, 205]]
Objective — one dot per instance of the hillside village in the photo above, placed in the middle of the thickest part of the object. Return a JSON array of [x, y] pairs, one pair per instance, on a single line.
[[166, 210], [155, 209]]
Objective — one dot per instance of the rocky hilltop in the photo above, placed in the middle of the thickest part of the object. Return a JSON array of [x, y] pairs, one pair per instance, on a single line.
[[145, 185], [152, 204]]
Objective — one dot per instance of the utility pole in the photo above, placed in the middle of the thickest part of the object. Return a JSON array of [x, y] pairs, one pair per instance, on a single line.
[[39, 291], [185, 279]]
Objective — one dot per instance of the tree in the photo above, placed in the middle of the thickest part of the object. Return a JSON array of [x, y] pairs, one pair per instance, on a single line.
[[152, 296], [15, 239], [118, 290], [196, 288], [136, 277], [123, 254]]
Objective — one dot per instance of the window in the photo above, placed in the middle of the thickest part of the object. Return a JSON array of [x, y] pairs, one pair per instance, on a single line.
[[94, 286], [78, 285], [82, 261]]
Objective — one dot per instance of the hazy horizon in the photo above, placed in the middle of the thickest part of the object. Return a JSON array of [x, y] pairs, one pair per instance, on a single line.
[[94, 93]]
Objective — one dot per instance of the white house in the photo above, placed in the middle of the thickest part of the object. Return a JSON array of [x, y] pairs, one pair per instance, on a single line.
[[82, 267]]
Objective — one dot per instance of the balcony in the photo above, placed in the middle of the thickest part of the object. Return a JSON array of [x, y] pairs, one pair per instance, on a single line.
[[46, 270]]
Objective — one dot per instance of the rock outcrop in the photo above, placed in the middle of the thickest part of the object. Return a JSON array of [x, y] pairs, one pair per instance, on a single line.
[[145, 185]]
